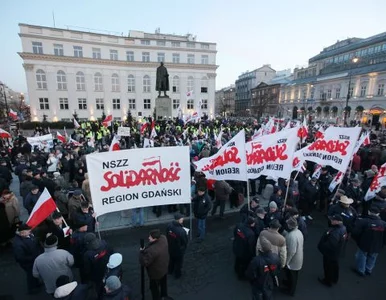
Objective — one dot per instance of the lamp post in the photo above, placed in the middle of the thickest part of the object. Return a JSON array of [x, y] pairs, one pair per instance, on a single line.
[[354, 60]]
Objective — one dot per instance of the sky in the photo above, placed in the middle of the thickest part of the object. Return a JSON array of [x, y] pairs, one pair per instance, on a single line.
[[248, 33]]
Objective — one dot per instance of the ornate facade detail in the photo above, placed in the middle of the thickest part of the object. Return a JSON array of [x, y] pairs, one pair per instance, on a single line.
[[28, 67]]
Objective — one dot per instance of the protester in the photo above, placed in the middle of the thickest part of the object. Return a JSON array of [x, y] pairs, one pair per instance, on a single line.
[[67, 290], [222, 191], [201, 208], [114, 290], [58, 228], [114, 266], [32, 198], [12, 208], [249, 210], [346, 211]]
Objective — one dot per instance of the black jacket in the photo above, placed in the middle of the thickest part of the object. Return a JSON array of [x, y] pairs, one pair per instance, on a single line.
[[95, 262], [349, 215], [271, 216], [177, 239], [123, 293], [369, 233], [66, 292], [244, 241], [63, 241], [261, 270], [331, 243], [246, 211], [6, 174], [310, 192], [25, 250], [354, 193], [201, 206], [80, 218]]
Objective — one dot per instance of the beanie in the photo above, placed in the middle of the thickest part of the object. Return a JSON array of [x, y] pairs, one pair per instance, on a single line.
[[113, 283], [272, 204]]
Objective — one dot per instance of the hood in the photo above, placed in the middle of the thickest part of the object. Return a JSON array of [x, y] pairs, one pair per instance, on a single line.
[[65, 290]]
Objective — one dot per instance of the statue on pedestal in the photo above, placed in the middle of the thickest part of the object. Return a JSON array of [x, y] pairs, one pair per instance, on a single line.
[[162, 80]]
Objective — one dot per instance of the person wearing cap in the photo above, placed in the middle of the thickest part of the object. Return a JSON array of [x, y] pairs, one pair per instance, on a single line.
[[272, 214], [354, 192], [5, 171], [25, 249], [85, 215], [115, 290], [331, 245], [277, 196], [263, 271], [222, 191], [334, 199], [201, 207], [32, 198], [60, 230], [74, 203], [294, 241], [309, 196], [346, 211], [370, 235], [249, 210], [114, 266], [12, 208], [155, 258], [244, 241], [177, 243], [37, 180], [276, 239], [293, 212], [67, 290], [380, 201], [25, 186]]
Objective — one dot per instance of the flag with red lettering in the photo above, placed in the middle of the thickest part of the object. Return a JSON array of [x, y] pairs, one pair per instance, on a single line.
[[269, 127], [288, 125], [114, 146], [229, 163], [272, 154], [257, 133], [336, 181], [42, 209], [13, 114], [4, 134], [60, 137], [317, 172], [320, 133], [303, 130], [297, 164], [143, 128], [107, 121], [378, 182], [76, 124], [335, 149]]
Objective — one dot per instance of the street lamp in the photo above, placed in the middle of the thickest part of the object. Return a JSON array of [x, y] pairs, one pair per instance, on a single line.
[[354, 61]]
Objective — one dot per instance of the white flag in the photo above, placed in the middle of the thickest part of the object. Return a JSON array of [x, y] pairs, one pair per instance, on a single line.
[[378, 181], [337, 180]]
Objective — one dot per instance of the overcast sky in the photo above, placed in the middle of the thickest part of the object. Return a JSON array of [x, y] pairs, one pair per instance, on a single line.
[[248, 33]]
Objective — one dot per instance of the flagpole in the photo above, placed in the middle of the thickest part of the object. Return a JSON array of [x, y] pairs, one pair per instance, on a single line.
[[349, 166], [99, 231], [286, 193], [64, 221]]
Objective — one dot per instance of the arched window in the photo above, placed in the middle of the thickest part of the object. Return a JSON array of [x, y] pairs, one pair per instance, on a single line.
[[190, 104], [115, 83], [146, 84], [130, 83], [190, 85], [61, 80], [41, 79], [204, 85], [98, 82], [176, 84], [80, 82]]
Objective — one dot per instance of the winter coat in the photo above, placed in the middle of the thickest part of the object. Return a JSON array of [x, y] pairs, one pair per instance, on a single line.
[[25, 250], [74, 206], [244, 241], [61, 201], [86, 189], [370, 234], [310, 192], [25, 188], [30, 201], [123, 293], [277, 199], [72, 291], [246, 211], [277, 241], [80, 218], [177, 239], [63, 241], [201, 206], [155, 257], [52, 264], [331, 243], [95, 262], [60, 181], [349, 215], [261, 270], [223, 190], [12, 209], [354, 193], [272, 216], [294, 241]]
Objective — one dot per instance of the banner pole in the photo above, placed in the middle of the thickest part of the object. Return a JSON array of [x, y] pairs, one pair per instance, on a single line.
[[191, 221], [249, 208], [286, 193], [142, 243], [99, 231], [64, 221], [349, 167]]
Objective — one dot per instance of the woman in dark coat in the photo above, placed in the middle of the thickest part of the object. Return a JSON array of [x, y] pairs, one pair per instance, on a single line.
[[6, 230]]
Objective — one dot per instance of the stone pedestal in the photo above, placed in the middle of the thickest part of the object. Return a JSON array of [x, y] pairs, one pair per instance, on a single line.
[[163, 107]]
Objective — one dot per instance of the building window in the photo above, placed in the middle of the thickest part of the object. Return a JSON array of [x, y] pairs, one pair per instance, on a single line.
[[98, 82], [61, 80], [176, 58], [145, 42], [190, 58], [304, 94], [205, 46], [191, 45], [82, 103], [176, 84], [80, 82], [129, 55], [160, 57], [363, 90], [161, 43], [43, 104], [312, 95], [63, 104], [190, 85], [322, 95], [115, 83], [58, 50], [204, 85], [176, 44], [381, 88], [145, 56], [130, 83], [351, 91], [329, 94], [78, 51], [176, 103], [204, 104], [146, 104], [204, 59], [146, 84], [96, 53], [337, 93], [100, 103], [132, 104], [190, 104], [41, 80], [37, 48], [113, 54], [116, 103]]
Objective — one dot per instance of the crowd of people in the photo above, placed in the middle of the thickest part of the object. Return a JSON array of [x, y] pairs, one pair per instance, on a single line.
[[267, 243]]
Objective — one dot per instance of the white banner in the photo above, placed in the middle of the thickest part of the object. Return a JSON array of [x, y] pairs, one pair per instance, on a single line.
[[272, 154], [229, 163], [378, 182], [143, 177], [123, 131], [335, 149], [44, 141]]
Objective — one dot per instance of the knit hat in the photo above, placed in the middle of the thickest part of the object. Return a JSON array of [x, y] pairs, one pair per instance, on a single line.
[[292, 223], [260, 210], [178, 216], [24, 226], [51, 241], [56, 215], [91, 241], [274, 224], [77, 193], [56, 174], [250, 221], [34, 187], [336, 218], [115, 260], [113, 283], [266, 245], [272, 204]]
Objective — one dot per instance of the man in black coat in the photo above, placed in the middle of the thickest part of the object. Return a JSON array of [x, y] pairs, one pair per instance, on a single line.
[[85, 216], [60, 230], [330, 245], [244, 243], [369, 233], [249, 210], [354, 192], [201, 207], [346, 211], [177, 243], [5, 172], [309, 196]]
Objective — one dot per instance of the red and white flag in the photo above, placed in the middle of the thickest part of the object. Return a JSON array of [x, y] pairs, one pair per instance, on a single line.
[[153, 132], [115, 144], [4, 134], [257, 133], [42, 209], [143, 127], [288, 125], [303, 130], [189, 94], [363, 140], [76, 124], [320, 133], [378, 182], [317, 172], [107, 121], [60, 137], [75, 143], [337, 180], [219, 139], [13, 114], [65, 133]]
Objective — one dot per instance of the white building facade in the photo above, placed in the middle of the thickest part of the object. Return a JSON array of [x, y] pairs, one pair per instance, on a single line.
[[88, 73]]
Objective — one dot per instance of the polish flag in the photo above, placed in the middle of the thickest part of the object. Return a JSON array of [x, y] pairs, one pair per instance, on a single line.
[[4, 134], [366, 140], [115, 144], [107, 121], [76, 124], [189, 94], [12, 114], [363, 140], [75, 143], [42, 209], [303, 130], [219, 140], [153, 133], [143, 127], [60, 137], [65, 133]]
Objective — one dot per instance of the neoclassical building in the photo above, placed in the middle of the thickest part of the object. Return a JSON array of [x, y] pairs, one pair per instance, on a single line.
[[348, 77], [71, 71]]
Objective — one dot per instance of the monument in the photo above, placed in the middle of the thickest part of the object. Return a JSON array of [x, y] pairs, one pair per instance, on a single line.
[[163, 104]]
